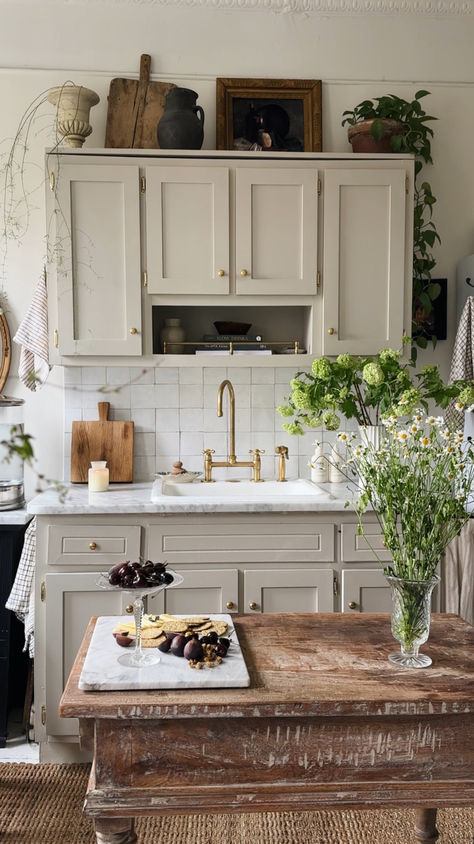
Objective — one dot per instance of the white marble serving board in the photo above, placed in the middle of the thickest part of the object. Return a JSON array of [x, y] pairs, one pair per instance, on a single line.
[[102, 671]]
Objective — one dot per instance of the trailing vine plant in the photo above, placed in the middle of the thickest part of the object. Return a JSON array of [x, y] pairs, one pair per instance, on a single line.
[[415, 139]]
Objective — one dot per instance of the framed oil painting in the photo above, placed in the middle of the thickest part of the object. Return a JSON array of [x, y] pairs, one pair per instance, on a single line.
[[269, 114]]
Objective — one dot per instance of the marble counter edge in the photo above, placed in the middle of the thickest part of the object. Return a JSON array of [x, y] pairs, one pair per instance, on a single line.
[[135, 499]]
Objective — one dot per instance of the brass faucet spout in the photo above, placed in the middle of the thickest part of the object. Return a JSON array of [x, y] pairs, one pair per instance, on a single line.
[[220, 392]]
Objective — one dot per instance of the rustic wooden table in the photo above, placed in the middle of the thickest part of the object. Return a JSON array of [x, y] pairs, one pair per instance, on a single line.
[[327, 722]]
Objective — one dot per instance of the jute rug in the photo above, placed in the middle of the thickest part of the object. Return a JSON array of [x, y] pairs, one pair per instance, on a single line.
[[42, 804]]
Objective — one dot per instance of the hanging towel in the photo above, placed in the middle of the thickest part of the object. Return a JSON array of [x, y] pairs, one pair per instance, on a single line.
[[32, 335], [458, 574], [462, 363], [21, 599]]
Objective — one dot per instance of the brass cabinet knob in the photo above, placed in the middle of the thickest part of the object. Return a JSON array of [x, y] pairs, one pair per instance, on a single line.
[[133, 331], [331, 331], [220, 273], [253, 605], [92, 545], [243, 272], [129, 608], [352, 605], [230, 605]]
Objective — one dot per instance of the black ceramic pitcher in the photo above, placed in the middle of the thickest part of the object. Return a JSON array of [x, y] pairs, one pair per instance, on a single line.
[[182, 123]]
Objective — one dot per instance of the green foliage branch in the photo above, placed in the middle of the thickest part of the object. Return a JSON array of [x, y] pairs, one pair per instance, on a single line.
[[416, 140]]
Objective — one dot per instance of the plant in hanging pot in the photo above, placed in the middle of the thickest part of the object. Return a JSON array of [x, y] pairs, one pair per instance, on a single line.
[[392, 124], [419, 482]]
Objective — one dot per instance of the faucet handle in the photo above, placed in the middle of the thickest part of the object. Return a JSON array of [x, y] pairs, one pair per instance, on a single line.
[[256, 451], [282, 449], [208, 451]]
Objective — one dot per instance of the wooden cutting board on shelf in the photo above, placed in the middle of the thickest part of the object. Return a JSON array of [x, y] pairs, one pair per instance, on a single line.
[[134, 109], [102, 440]]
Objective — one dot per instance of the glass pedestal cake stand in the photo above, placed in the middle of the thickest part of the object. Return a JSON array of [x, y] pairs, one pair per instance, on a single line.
[[136, 657]]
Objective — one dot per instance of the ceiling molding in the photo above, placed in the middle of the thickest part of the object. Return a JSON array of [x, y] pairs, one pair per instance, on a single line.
[[434, 8]]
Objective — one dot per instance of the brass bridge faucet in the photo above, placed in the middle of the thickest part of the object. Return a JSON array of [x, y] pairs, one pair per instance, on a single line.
[[282, 451], [209, 463]]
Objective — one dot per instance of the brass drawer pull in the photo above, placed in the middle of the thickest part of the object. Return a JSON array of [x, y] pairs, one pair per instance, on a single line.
[[253, 605], [129, 608], [352, 605], [230, 605], [92, 545]]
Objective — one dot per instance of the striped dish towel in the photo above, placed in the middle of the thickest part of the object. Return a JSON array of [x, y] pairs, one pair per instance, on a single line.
[[32, 336]]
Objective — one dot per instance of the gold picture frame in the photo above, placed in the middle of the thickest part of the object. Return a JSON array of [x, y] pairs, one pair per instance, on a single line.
[[269, 114]]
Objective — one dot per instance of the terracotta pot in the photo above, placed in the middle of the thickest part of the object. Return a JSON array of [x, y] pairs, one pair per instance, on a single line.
[[362, 140]]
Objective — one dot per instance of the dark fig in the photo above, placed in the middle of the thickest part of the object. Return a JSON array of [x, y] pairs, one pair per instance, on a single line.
[[221, 649], [128, 581], [166, 577], [169, 634], [177, 644], [206, 640], [140, 581], [114, 579], [213, 637], [224, 641], [116, 568], [193, 650], [123, 641], [165, 645]]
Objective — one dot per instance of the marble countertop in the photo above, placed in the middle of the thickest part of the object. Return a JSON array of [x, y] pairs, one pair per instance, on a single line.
[[136, 498], [15, 517]]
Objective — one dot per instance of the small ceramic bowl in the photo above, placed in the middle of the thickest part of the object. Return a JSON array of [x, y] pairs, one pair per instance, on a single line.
[[232, 327]]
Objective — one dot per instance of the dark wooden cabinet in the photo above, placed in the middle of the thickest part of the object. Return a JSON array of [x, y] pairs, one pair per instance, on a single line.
[[13, 662]]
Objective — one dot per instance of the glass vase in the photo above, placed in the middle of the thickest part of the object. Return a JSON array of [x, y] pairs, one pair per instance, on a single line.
[[411, 611]]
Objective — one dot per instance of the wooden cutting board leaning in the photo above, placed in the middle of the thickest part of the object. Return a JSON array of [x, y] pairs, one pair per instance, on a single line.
[[102, 440], [134, 109]]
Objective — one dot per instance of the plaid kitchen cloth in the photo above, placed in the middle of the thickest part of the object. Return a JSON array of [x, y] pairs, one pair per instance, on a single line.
[[22, 596]]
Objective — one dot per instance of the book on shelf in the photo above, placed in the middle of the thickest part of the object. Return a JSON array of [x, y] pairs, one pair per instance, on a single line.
[[231, 338], [236, 351], [241, 347]]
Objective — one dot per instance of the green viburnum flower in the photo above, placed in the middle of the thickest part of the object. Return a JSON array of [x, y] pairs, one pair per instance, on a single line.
[[408, 401], [466, 396], [372, 374], [301, 399], [346, 361], [321, 368], [285, 410], [331, 420], [387, 355], [296, 384], [311, 421], [293, 428]]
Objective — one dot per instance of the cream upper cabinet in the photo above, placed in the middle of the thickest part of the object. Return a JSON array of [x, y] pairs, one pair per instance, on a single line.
[[241, 230], [96, 260], [187, 230], [364, 260], [276, 225]]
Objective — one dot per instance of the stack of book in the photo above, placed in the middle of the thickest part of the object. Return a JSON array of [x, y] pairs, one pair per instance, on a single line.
[[241, 343]]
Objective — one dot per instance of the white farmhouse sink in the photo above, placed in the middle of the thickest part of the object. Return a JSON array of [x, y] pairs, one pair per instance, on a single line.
[[244, 489]]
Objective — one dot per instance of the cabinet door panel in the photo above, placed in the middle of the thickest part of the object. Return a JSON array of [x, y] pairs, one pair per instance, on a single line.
[[203, 591], [96, 545], [98, 276], [367, 589], [364, 260], [71, 601], [356, 548], [276, 231], [187, 214], [288, 590]]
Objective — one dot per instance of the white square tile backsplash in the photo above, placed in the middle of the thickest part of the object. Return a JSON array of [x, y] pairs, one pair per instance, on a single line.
[[175, 415]]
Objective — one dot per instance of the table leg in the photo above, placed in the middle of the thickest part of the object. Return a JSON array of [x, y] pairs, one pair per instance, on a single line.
[[425, 826], [115, 830]]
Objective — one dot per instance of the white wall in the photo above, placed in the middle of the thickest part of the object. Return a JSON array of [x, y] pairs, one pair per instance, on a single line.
[[388, 48]]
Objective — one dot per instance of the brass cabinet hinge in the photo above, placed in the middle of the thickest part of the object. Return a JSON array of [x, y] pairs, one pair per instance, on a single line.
[[142, 184], [145, 278], [43, 715], [55, 338], [43, 592], [335, 585], [318, 280], [319, 187]]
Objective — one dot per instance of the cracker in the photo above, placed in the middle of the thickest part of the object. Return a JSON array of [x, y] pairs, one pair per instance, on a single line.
[[196, 620], [174, 625], [152, 643], [152, 632], [220, 627]]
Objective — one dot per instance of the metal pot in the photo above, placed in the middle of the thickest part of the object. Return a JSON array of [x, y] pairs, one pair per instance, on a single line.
[[11, 495]]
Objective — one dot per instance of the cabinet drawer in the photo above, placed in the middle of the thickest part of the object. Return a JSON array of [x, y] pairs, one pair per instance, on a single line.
[[355, 548], [292, 590], [98, 545], [203, 591], [242, 542]]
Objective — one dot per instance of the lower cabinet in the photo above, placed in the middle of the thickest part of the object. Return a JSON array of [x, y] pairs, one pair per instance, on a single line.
[[288, 590], [202, 591], [364, 590]]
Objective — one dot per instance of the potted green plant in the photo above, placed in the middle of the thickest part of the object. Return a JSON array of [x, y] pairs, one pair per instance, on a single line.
[[392, 124]]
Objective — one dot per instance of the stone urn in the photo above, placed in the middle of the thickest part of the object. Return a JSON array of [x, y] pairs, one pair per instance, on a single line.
[[182, 123], [361, 138], [73, 104]]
